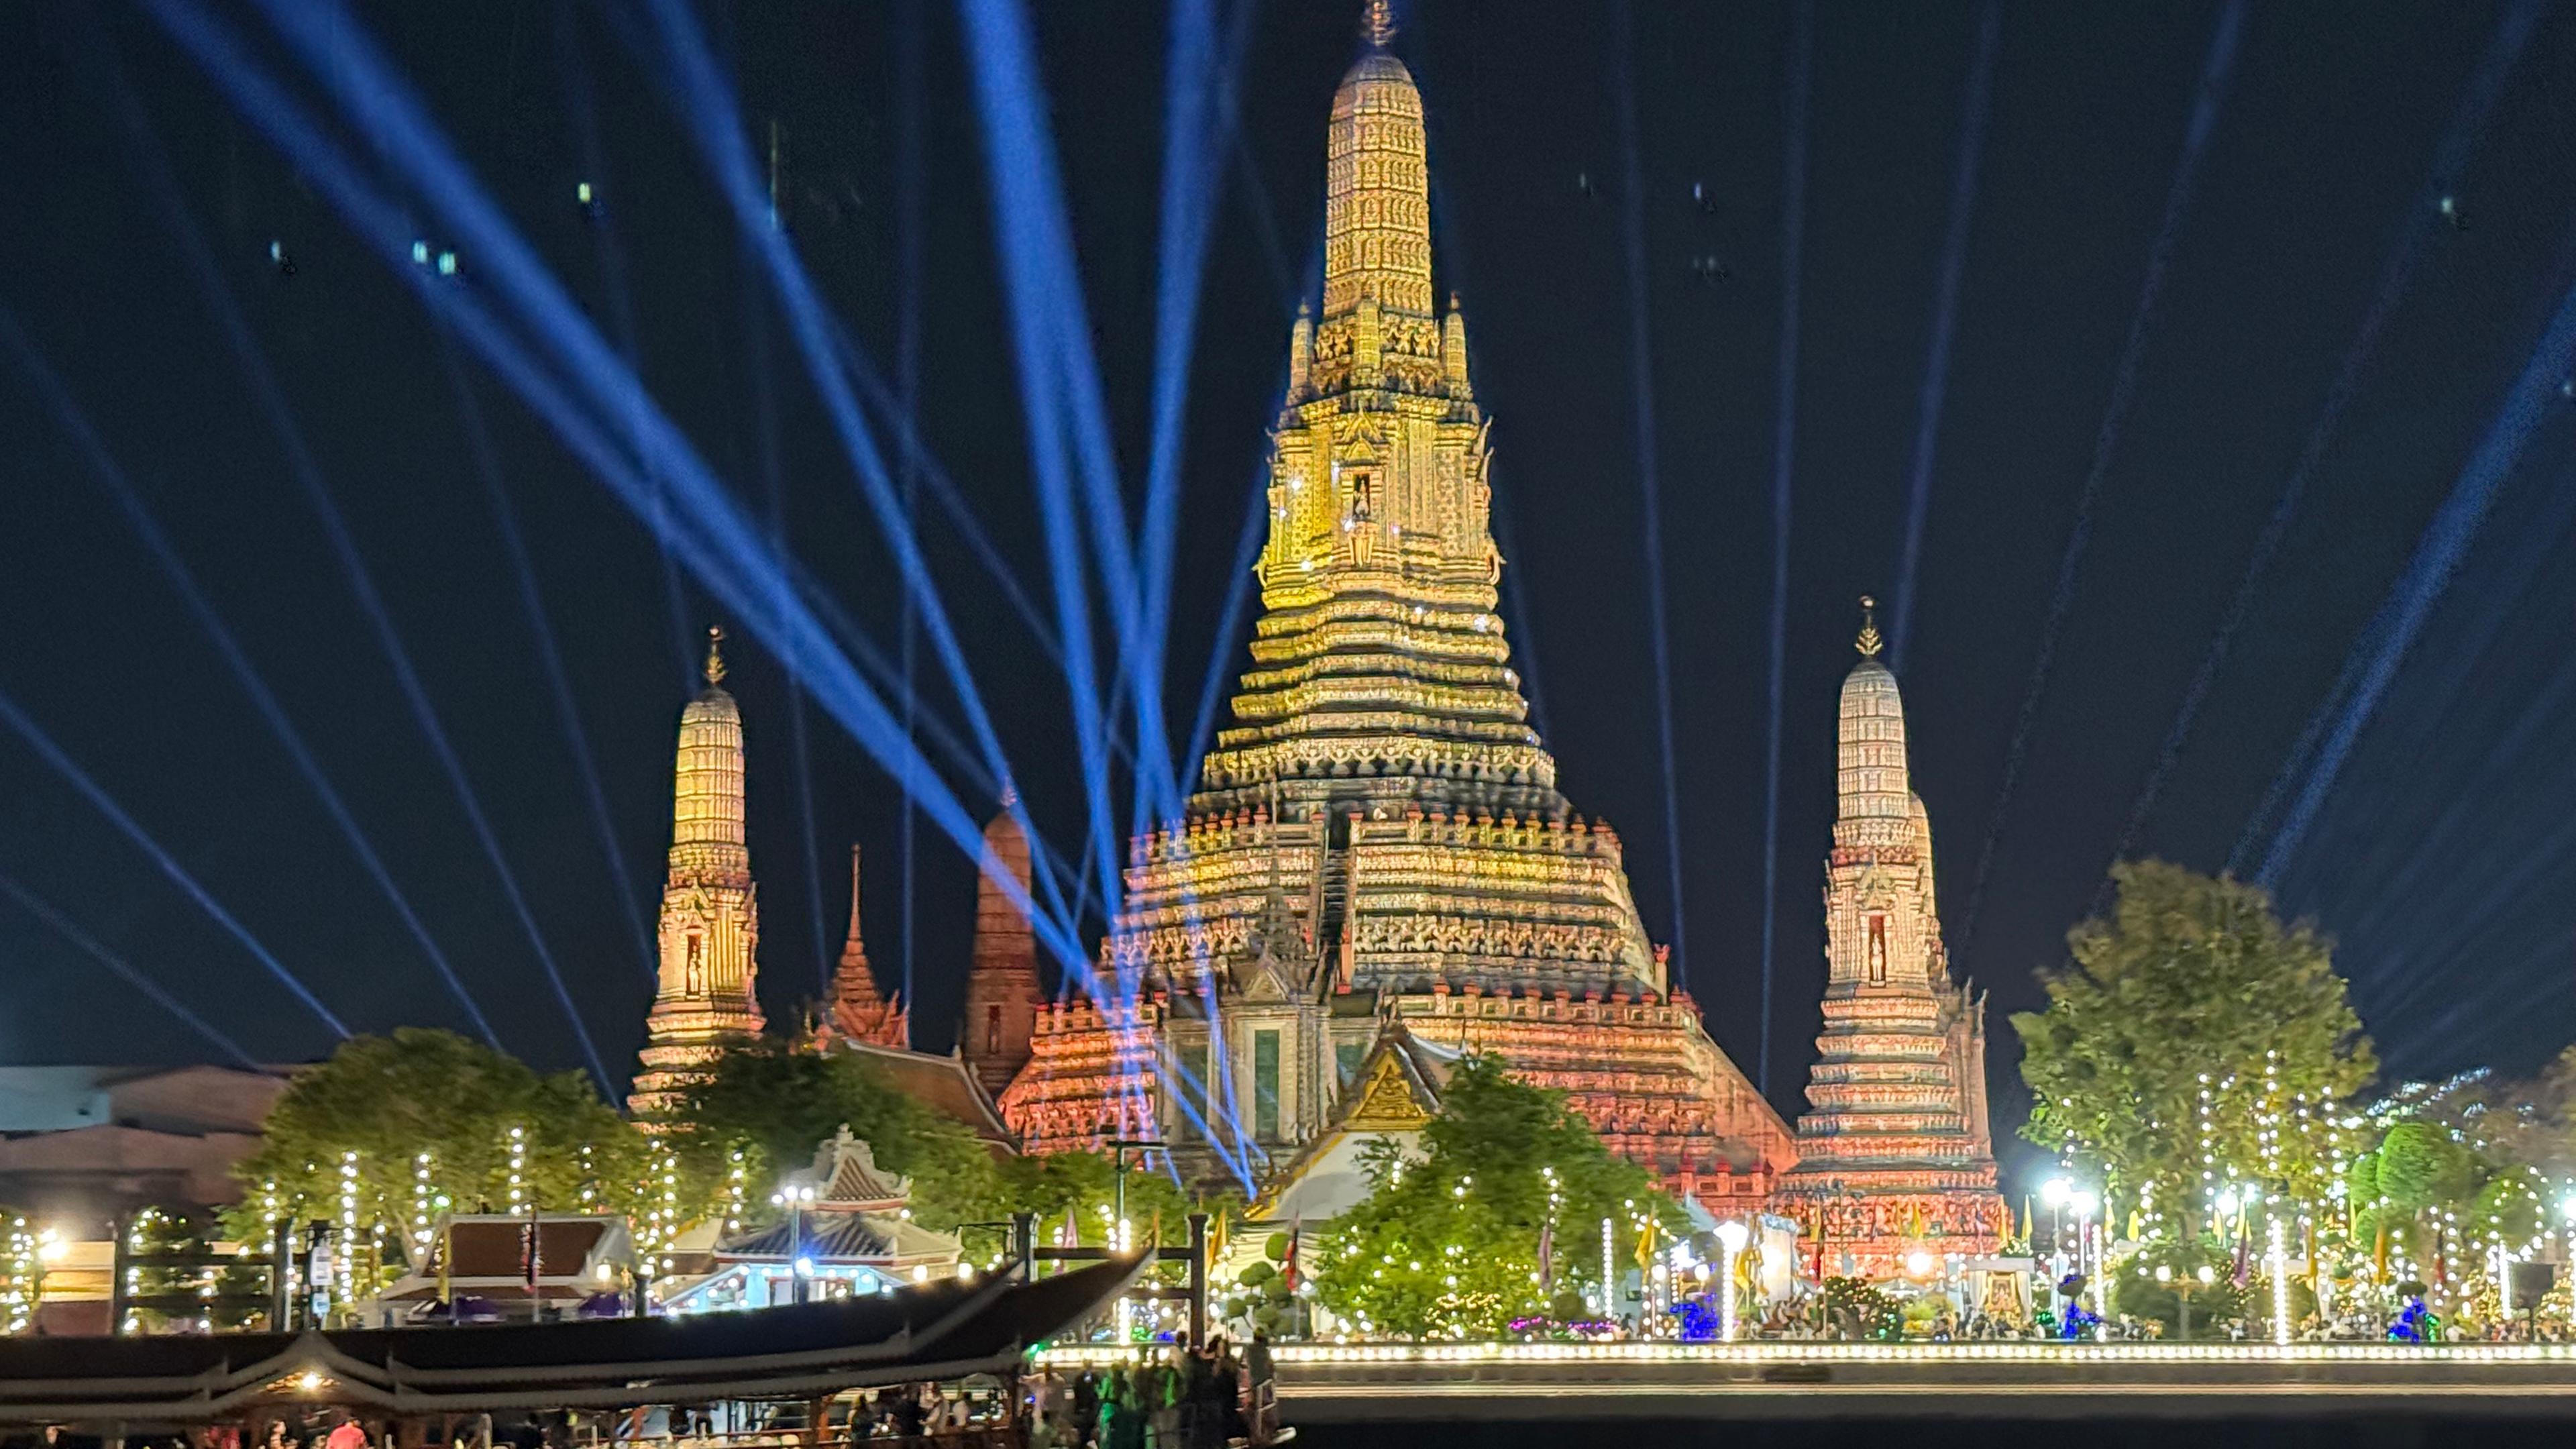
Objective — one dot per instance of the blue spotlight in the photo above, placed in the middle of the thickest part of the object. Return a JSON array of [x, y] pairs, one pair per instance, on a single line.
[[89, 946], [104, 467], [1784, 438], [719, 544], [308, 474], [2414, 228], [1649, 485], [2525, 406], [583, 111], [2215, 70], [479, 443], [43, 744], [1945, 319]]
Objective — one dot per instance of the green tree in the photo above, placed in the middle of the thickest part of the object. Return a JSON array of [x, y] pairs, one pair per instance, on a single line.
[[22, 1271], [776, 1105], [1447, 1247], [393, 1130], [2193, 1038]]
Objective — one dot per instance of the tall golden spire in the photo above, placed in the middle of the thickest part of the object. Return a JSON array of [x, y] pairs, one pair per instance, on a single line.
[[1380, 653], [1872, 783], [1377, 189], [710, 927]]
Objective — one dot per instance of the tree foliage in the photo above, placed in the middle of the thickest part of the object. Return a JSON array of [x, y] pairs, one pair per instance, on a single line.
[[423, 1108], [1447, 1246], [777, 1105], [2189, 986]]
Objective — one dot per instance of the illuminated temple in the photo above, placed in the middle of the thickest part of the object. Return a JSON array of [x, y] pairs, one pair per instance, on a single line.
[[710, 930], [1378, 847], [1378, 873], [1895, 1157]]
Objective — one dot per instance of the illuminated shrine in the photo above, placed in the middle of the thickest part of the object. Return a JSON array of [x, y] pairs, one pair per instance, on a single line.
[[1378, 839], [710, 929], [1896, 1160]]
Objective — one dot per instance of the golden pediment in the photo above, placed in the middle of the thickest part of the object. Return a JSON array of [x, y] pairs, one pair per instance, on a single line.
[[1388, 1102]]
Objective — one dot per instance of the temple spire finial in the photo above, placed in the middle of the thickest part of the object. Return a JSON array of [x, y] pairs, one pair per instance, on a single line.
[[715, 654], [1869, 641], [1379, 23]]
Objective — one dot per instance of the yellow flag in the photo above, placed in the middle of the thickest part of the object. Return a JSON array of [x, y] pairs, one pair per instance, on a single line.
[[1216, 1238], [1646, 1244]]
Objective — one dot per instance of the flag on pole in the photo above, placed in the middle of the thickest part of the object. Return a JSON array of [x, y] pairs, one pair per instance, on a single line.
[[1288, 1259], [1646, 1243]]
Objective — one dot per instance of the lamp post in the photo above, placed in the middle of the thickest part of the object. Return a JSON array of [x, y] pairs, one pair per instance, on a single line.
[[2053, 1192], [2083, 1201], [796, 1197], [1119, 1147], [1731, 1237]]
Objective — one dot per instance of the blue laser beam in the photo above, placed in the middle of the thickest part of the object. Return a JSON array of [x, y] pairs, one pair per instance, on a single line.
[[1973, 109], [2216, 69], [1784, 439], [582, 108], [908, 282], [764, 408], [1641, 385], [706, 94], [63, 926], [2526, 405], [307, 472], [103, 466], [541, 632], [90, 790], [1027, 211], [2468, 123], [720, 546]]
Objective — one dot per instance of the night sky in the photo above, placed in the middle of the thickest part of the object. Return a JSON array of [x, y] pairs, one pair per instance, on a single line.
[[2440, 858]]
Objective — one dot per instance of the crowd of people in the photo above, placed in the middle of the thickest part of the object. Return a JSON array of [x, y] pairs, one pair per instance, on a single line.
[[1177, 1396]]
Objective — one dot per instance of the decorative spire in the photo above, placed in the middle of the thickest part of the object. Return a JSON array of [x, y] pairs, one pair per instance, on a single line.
[[1378, 24], [1377, 204], [1869, 640], [715, 655], [858, 1010]]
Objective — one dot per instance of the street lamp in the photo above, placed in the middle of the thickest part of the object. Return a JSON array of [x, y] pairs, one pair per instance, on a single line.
[[1731, 1236], [2083, 1200], [797, 1197], [2053, 1192]]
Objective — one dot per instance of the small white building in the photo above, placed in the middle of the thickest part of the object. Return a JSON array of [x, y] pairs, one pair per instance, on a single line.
[[856, 1236]]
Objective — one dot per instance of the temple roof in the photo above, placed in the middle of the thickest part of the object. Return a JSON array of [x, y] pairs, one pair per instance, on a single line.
[[941, 1083]]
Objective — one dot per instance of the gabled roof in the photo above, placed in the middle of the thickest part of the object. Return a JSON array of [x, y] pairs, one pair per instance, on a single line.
[[942, 1084], [846, 1177], [1393, 1094], [495, 1245], [878, 1239]]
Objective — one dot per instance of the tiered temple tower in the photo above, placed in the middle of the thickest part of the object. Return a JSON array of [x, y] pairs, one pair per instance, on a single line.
[[859, 1012], [1002, 995], [1379, 835], [710, 933], [1896, 1157]]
